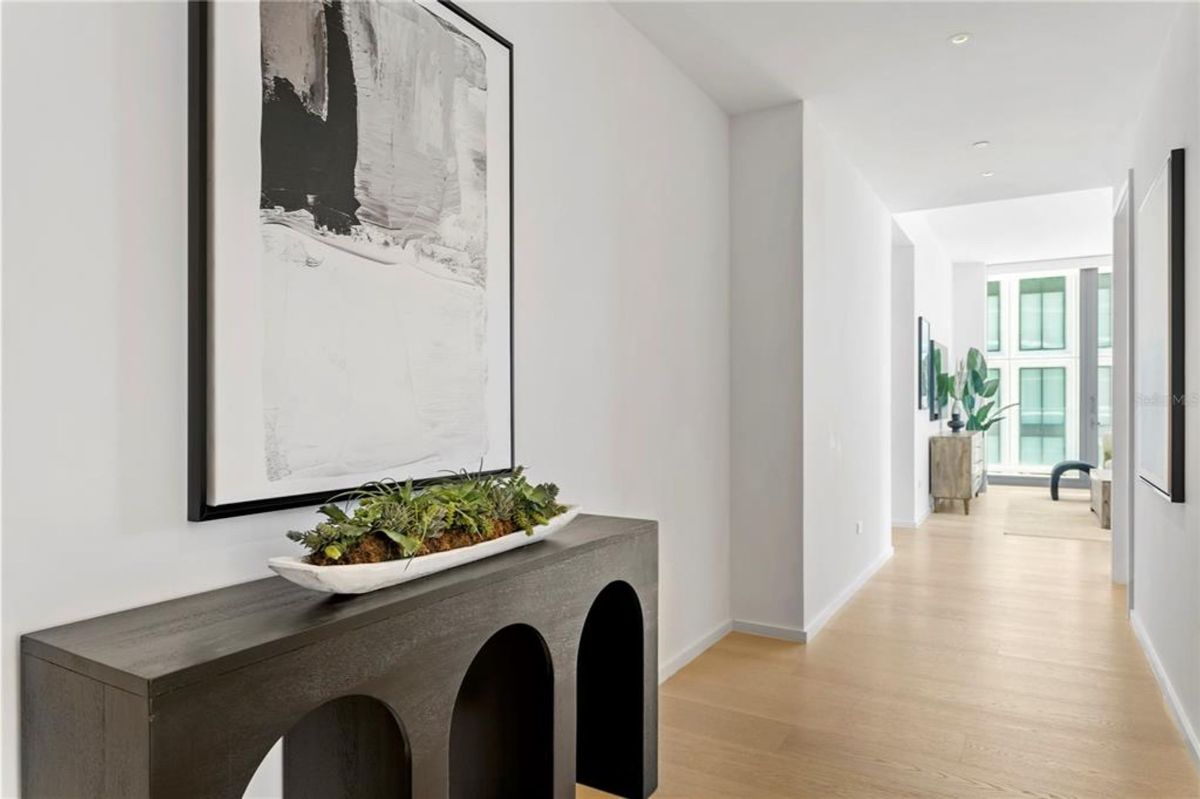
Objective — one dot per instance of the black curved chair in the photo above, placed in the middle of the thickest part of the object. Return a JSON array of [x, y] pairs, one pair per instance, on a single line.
[[1065, 466]]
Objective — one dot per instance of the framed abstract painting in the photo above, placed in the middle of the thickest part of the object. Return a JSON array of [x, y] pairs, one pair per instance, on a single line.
[[351, 249], [939, 361], [924, 361]]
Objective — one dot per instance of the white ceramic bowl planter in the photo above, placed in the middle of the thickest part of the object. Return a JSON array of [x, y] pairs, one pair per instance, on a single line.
[[359, 578]]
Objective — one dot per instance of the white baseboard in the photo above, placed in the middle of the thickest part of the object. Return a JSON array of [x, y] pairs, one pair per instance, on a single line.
[[693, 651], [912, 525], [813, 627], [668, 667], [1170, 698], [779, 631]]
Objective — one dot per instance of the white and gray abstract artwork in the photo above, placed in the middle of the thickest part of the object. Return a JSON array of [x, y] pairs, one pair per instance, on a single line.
[[374, 237]]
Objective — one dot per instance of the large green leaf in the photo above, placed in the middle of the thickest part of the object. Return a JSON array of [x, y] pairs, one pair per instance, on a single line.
[[975, 361], [977, 381], [990, 387], [996, 417]]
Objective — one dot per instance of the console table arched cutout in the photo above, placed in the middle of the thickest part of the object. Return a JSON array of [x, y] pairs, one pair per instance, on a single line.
[[611, 717], [353, 746], [185, 697], [502, 732]]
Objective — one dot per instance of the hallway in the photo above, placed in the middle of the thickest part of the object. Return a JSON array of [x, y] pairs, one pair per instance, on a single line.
[[973, 664]]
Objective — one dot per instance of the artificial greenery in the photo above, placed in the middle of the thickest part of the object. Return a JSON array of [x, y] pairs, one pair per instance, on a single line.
[[391, 520], [971, 386]]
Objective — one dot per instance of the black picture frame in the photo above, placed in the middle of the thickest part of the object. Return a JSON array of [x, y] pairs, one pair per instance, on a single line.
[[1178, 223], [924, 362], [198, 226], [1176, 331]]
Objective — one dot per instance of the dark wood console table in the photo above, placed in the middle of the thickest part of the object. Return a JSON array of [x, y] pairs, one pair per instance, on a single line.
[[513, 676]]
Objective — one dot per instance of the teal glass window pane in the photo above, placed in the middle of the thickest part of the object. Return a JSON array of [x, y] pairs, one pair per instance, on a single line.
[[1054, 319], [1043, 398], [1054, 450], [1031, 396], [1043, 310], [1104, 317], [992, 442], [1031, 321], [1031, 450], [1054, 397], [993, 316], [992, 439]]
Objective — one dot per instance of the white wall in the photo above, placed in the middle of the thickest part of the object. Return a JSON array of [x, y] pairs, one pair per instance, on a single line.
[[1166, 548], [969, 308], [904, 381], [622, 314], [932, 297], [812, 371], [767, 336], [1122, 410], [847, 375]]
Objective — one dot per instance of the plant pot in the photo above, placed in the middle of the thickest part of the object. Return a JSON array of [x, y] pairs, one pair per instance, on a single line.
[[360, 578], [956, 422]]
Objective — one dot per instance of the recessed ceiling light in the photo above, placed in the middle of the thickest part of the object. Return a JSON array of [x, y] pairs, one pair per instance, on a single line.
[[960, 38], [987, 174], [981, 144]]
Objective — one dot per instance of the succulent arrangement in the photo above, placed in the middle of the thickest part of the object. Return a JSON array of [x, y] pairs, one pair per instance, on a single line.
[[388, 520]]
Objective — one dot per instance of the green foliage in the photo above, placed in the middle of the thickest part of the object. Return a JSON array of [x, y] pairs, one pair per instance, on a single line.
[[402, 518], [972, 387]]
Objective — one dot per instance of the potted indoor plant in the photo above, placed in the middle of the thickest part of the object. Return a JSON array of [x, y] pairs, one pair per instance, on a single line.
[[386, 532], [974, 395]]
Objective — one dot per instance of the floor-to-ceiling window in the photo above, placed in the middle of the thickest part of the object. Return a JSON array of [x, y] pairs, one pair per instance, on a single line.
[[993, 316], [1043, 415], [1043, 313], [1104, 324], [1033, 348]]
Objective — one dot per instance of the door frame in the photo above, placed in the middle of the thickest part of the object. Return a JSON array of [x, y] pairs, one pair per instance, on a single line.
[[1124, 264]]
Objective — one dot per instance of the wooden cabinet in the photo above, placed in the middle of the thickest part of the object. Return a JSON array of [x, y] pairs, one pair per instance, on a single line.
[[956, 467], [1102, 496]]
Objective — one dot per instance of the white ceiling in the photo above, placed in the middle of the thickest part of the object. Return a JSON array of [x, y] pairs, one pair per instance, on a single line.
[[1053, 86], [1069, 225]]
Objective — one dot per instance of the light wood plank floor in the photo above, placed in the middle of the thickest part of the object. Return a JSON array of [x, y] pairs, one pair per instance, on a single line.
[[973, 664]]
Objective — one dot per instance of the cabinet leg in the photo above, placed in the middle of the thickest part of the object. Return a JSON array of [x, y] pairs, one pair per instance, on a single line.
[[966, 507]]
